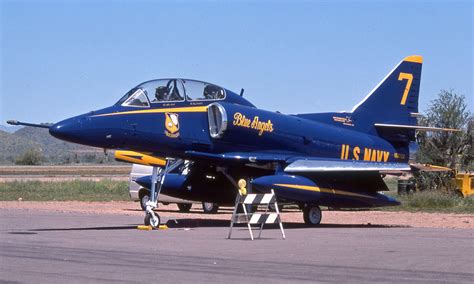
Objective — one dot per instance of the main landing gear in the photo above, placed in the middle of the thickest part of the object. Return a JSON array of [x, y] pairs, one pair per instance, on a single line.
[[312, 214]]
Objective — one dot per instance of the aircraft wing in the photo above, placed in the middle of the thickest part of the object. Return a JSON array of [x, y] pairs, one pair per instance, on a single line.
[[241, 157], [332, 165], [297, 164]]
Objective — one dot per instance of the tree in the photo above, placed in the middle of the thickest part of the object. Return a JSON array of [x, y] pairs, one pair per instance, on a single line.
[[31, 157], [450, 149], [467, 158]]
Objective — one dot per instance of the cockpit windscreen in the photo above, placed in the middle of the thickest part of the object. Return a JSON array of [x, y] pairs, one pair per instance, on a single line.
[[171, 90]]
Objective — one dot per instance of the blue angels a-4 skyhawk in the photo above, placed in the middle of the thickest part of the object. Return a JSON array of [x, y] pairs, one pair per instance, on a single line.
[[209, 137]]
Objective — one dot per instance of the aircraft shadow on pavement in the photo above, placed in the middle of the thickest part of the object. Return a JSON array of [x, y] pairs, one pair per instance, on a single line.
[[211, 223], [197, 212], [100, 228], [194, 223]]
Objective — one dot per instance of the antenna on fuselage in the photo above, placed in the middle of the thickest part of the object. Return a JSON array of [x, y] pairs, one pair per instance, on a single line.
[[242, 92]]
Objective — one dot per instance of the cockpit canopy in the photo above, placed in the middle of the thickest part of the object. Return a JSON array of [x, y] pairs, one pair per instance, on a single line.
[[171, 90]]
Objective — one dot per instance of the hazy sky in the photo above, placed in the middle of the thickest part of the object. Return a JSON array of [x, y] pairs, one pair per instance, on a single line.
[[63, 58]]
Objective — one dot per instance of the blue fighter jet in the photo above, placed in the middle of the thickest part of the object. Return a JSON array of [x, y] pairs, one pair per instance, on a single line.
[[210, 137]]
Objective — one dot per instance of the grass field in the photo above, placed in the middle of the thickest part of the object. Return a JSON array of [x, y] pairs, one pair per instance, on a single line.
[[74, 190], [434, 201], [391, 183], [108, 190], [79, 170], [429, 201]]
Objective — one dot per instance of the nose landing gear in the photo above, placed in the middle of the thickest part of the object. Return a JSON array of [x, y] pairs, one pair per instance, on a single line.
[[151, 218]]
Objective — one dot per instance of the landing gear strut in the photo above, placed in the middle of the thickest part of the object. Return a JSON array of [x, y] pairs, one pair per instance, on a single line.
[[151, 218], [312, 214]]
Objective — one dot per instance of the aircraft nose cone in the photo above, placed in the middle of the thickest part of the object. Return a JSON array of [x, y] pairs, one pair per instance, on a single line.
[[66, 129]]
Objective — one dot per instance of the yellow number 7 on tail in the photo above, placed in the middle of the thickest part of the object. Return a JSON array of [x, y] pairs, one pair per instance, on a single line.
[[409, 77]]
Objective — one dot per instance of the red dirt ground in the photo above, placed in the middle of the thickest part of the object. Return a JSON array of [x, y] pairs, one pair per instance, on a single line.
[[375, 218]]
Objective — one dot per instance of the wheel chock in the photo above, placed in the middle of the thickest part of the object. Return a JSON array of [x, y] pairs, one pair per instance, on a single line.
[[149, 228], [146, 228]]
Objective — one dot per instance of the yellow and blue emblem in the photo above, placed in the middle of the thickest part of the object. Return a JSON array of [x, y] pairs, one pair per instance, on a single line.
[[171, 125]]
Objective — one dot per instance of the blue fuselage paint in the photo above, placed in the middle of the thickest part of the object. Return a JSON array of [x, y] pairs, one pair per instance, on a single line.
[[114, 128]]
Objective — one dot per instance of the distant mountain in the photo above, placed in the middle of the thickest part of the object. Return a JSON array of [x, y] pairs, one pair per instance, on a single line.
[[9, 128], [13, 145]]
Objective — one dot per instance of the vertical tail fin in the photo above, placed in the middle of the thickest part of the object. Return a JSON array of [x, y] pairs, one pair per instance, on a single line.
[[394, 100]]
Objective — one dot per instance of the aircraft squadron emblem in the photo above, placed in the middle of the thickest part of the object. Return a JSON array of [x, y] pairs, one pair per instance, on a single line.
[[171, 125]]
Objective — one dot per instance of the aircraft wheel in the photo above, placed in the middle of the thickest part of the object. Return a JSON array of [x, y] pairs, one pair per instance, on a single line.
[[144, 198], [152, 220], [312, 215], [210, 208], [184, 207]]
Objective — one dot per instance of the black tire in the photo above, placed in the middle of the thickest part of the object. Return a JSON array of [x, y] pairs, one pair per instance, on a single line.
[[184, 207], [148, 221], [312, 215], [144, 198], [210, 208]]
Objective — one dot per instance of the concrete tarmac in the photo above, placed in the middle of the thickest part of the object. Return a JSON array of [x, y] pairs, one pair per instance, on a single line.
[[76, 247]]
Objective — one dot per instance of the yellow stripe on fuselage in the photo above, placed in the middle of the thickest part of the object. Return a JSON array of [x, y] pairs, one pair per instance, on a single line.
[[157, 110], [325, 190], [305, 187]]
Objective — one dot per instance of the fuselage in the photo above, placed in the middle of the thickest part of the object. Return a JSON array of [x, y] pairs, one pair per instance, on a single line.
[[172, 128]]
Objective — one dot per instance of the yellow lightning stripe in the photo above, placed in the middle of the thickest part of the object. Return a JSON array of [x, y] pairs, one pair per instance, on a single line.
[[326, 190], [157, 110]]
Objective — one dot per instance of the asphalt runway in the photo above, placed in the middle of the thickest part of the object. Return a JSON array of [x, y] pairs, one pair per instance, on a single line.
[[40, 246]]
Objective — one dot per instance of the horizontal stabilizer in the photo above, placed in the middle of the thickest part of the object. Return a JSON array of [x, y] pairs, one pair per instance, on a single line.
[[430, 168], [414, 127], [343, 166]]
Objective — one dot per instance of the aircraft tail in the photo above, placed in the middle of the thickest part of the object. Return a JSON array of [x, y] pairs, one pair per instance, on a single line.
[[393, 102], [395, 99]]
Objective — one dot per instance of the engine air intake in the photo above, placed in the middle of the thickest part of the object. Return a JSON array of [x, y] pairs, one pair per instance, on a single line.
[[217, 117]]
